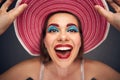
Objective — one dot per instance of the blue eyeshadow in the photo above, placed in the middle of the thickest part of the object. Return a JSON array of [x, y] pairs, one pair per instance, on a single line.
[[72, 28], [52, 28]]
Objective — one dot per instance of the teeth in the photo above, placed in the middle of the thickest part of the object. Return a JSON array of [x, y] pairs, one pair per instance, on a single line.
[[63, 48]]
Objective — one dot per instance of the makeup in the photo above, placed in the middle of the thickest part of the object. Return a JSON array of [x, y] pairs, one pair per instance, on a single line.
[[52, 28], [63, 51], [72, 28]]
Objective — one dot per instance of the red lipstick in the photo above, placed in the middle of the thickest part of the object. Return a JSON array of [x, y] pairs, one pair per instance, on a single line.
[[63, 51]]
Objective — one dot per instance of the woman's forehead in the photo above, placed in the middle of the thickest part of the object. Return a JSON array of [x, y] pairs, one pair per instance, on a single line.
[[61, 18]]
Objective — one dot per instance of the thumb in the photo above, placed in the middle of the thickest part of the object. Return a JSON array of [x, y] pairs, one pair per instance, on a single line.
[[103, 12]]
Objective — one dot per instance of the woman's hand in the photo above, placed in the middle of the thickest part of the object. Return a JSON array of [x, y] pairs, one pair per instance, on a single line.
[[6, 18], [113, 18]]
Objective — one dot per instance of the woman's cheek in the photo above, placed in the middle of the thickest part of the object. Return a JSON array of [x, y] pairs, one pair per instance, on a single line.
[[49, 40]]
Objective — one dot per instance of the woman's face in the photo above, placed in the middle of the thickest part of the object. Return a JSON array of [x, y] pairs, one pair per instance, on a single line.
[[62, 38]]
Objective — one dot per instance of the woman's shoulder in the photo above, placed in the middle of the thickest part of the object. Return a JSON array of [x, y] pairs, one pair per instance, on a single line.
[[23, 70], [101, 70]]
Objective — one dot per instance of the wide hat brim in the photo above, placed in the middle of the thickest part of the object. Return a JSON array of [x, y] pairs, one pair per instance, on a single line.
[[28, 26]]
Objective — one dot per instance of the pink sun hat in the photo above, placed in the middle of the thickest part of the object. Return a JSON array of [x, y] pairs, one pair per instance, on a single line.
[[28, 26]]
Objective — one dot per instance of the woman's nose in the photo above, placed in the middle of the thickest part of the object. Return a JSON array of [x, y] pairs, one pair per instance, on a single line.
[[63, 37]]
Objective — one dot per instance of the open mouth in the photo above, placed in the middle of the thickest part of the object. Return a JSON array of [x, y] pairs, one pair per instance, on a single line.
[[63, 51]]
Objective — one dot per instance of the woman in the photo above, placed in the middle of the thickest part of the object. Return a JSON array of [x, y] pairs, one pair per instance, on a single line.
[[62, 59]]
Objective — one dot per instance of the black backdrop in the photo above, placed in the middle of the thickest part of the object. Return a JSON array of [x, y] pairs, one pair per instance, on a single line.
[[11, 51]]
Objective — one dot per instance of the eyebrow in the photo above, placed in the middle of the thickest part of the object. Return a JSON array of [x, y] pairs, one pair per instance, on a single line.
[[71, 24], [53, 24]]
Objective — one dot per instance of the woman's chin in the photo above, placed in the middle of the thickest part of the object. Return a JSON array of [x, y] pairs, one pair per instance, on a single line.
[[64, 63]]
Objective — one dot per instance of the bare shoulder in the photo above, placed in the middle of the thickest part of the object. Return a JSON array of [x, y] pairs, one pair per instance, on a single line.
[[101, 70], [23, 70]]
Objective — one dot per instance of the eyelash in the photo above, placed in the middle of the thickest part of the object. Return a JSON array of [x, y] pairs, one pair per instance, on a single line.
[[72, 29], [52, 29]]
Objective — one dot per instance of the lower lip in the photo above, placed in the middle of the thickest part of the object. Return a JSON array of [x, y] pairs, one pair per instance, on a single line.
[[63, 56]]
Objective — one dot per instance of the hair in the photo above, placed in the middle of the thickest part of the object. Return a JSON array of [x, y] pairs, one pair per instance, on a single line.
[[44, 53]]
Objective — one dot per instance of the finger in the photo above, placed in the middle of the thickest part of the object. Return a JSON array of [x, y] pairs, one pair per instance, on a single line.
[[117, 2], [17, 11], [114, 5], [0, 1], [5, 6], [107, 14]]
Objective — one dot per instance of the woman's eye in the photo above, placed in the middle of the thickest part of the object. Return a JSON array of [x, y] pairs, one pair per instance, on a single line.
[[72, 29], [52, 29]]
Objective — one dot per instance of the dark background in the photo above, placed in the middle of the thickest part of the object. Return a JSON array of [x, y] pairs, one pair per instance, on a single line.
[[11, 51]]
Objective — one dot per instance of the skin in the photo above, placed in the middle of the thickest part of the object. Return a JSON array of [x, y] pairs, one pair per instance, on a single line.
[[31, 67], [62, 37], [112, 18], [6, 18]]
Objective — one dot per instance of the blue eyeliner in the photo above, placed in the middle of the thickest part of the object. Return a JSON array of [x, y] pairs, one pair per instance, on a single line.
[[72, 28], [52, 28]]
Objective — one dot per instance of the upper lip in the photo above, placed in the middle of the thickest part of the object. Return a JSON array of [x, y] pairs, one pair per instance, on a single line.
[[63, 47]]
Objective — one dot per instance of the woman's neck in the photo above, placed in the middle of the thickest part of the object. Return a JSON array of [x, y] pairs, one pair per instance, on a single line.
[[64, 72]]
